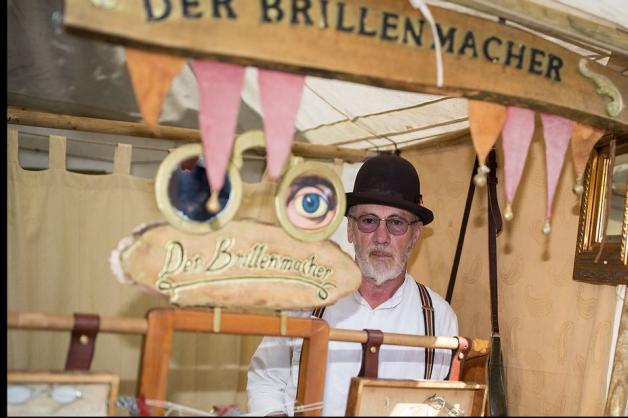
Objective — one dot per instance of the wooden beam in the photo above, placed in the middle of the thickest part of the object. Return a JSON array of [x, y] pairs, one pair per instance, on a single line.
[[41, 321], [27, 117], [558, 23], [385, 43]]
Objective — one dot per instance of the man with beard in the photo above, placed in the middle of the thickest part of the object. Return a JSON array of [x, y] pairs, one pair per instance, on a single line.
[[386, 217]]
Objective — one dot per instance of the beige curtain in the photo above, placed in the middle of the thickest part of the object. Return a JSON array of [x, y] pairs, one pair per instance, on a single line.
[[62, 227], [556, 332]]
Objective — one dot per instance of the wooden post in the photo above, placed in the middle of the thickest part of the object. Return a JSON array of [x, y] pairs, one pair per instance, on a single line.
[[153, 377]]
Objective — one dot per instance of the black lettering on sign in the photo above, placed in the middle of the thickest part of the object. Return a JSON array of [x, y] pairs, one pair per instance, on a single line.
[[510, 54], [340, 16], [324, 13], [159, 13], [468, 42], [553, 66], [301, 7], [447, 40], [534, 63], [187, 7], [218, 5], [363, 29], [487, 45], [271, 5], [389, 22], [408, 28]]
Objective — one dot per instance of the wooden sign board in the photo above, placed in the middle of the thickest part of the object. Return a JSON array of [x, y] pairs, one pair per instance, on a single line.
[[389, 397], [386, 43], [244, 264]]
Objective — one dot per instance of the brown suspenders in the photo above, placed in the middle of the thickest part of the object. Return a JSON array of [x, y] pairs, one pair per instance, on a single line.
[[428, 321]]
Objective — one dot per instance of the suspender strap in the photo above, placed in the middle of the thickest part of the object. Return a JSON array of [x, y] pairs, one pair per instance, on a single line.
[[463, 229], [428, 320], [318, 312], [370, 353]]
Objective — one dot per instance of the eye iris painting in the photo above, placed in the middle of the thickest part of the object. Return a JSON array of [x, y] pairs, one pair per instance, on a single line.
[[189, 191], [311, 203]]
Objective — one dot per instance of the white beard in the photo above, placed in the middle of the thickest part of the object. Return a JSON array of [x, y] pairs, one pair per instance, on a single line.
[[381, 272]]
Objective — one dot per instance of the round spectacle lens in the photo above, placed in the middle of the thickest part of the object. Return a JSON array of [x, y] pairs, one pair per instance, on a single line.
[[65, 394], [17, 394], [369, 223], [189, 191], [310, 201], [183, 193]]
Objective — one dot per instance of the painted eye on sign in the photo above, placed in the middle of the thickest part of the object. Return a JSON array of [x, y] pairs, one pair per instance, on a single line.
[[310, 202]]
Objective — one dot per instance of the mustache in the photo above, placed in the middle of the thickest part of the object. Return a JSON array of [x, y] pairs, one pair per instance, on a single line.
[[379, 250]]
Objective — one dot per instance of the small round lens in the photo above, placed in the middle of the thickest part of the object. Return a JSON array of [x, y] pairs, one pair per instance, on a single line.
[[17, 394], [189, 191], [397, 226], [65, 394]]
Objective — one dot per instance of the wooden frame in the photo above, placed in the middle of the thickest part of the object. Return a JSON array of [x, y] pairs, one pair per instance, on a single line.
[[611, 266], [86, 383], [372, 397], [162, 322]]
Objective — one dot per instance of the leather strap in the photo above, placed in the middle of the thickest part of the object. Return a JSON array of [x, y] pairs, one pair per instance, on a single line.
[[370, 353], [428, 321], [494, 228], [458, 357], [82, 341], [463, 230]]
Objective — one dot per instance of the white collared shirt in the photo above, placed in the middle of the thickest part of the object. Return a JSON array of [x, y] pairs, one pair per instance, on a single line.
[[274, 369]]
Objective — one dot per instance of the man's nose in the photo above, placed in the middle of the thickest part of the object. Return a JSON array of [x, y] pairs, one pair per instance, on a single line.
[[381, 234]]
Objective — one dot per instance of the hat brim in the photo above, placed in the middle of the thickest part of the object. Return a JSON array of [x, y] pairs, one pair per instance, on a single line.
[[364, 198]]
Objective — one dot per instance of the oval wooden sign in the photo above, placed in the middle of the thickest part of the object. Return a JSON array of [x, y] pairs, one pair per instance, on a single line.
[[245, 264]]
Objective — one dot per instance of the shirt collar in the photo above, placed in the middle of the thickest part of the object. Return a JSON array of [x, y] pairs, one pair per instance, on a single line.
[[390, 303]]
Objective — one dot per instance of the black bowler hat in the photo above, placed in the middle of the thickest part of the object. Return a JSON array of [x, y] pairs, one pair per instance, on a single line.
[[392, 181]]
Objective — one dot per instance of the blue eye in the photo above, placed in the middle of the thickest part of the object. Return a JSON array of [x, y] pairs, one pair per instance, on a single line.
[[311, 202], [311, 205]]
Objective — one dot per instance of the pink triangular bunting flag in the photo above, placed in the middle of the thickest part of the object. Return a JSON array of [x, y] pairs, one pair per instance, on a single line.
[[280, 97], [219, 86], [556, 133], [151, 76], [516, 138], [583, 138], [485, 123]]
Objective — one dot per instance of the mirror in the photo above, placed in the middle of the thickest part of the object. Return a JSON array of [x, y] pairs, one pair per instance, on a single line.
[[605, 200]]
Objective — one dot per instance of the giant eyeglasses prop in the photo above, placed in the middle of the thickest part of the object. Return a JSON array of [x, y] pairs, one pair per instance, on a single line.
[[309, 202]]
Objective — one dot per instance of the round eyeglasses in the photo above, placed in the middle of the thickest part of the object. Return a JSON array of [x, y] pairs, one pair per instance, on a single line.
[[394, 224]]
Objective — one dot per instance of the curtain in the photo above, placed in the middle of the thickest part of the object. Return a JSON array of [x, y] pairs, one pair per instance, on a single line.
[[62, 227]]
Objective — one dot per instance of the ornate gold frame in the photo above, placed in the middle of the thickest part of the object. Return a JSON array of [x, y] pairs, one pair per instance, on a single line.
[[611, 269]]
